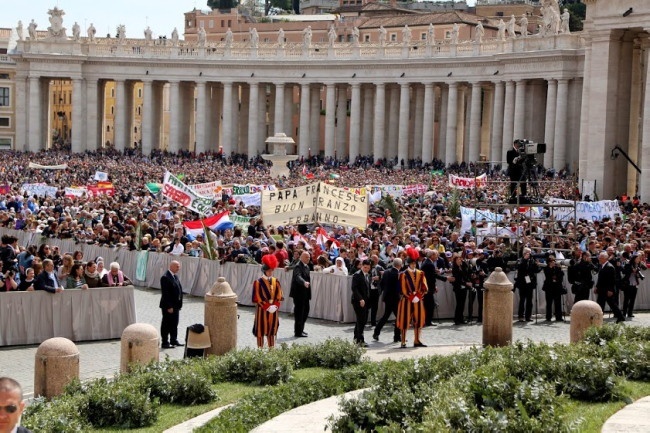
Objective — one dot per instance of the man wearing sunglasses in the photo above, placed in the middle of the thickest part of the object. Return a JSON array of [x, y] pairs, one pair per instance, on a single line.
[[11, 406]]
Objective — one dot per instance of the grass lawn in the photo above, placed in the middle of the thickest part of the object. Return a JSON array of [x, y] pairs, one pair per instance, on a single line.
[[171, 415], [594, 415]]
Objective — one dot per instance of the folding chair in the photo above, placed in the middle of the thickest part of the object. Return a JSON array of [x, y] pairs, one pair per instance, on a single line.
[[196, 342]]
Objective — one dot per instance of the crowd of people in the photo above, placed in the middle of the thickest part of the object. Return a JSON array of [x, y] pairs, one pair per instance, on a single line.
[[134, 218]]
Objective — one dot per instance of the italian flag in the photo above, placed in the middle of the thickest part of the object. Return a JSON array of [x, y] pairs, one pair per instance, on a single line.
[[219, 221]]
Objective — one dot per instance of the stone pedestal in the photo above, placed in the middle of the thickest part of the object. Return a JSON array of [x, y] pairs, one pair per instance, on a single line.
[[498, 302], [221, 317], [57, 364], [584, 315], [139, 345], [279, 157]]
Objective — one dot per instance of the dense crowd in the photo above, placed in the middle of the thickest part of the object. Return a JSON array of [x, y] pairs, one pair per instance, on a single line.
[[134, 218]]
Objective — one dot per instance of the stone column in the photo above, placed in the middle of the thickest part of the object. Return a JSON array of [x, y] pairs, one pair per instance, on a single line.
[[462, 131], [549, 126], [314, 119], [202, 117], [498, 304], [583, 147], [635, 114], [262, 128], [519, 129], [486, 122], [508, 119], [186, 115], [367, 129], [355, 120], [227, 112], [496, 145], [428, 123], [278, 123], [147, 117], [475, 124], [303, 132], [138, 346], [379, 144], [215, 120], [330, 118], [174, 117], [393, 114], [158, 114], [239, 108], [584, 315], [78, 128], [403, 135], [221, 317], [452, 117], [252, 119], [341, 120], [93, 114], [57, 364], [644, 182], [35, 116], [288, 114], [441, 151], [559, 153], [121, 125]]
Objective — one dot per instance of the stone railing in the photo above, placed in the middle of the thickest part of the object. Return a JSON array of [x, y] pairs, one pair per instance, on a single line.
[[139, 48], [4, 58]]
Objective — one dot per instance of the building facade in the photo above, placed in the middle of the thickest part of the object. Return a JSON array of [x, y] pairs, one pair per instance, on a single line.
[[455, 100]]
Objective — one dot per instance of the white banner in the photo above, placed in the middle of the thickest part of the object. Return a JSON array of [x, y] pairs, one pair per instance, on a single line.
[[588, 210], [468, 214], [101, 176], [248, 199], [316, 202], [209, 189], [467, 182], [177, 191], [76, 192], [47, 167], [38, 189]]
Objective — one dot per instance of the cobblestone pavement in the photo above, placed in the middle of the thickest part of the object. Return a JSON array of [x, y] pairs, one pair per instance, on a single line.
[[102, 358]]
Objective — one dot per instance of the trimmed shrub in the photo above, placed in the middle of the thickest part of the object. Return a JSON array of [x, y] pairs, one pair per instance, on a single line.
[[332, 353], [61, 415], [260, 367]]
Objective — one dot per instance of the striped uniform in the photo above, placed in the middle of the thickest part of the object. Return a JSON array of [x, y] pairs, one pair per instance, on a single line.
[[265, 293], [409, 313]]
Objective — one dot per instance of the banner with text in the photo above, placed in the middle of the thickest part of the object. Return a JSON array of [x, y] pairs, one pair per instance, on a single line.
[[588, 210], [209, 189], [240, 221], [468, 214], [315, 203], [177, 191], [38, 189], [248, 199], [467, 182]]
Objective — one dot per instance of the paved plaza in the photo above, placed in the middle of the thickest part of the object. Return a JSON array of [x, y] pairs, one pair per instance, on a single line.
[[102, 358]]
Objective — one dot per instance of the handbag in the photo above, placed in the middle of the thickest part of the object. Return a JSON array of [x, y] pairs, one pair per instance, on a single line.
[[575, 288]]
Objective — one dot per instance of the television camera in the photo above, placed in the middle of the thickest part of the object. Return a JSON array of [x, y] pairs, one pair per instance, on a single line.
[[527, 147]]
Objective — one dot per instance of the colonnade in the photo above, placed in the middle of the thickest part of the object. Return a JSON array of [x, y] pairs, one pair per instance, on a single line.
[[451, 120]]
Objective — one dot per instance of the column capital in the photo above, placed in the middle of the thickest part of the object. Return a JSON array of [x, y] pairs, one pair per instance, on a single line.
[[453, 84], [563, 80], [356, 85]]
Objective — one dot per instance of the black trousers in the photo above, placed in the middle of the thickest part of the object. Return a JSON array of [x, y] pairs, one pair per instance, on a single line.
[[373, 305], [362, 317], [169, 326], [613, 305], [300, 314], [629, 296], [581, 295], [478, 295], [525, 302], [461, 296], [514, 183], [429, 306], [553, 304], [389, 308]]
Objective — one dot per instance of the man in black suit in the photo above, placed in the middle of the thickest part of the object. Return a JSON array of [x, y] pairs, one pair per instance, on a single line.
[[431, 274], [360, 300], [515, 169], [171, 302], [11, 406], [606, 287], [301, 294], [47, 280], [391, 290]]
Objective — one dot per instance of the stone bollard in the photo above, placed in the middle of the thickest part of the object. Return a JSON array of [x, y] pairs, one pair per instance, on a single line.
[[139, 345], [584, 314], [498, 302], [57, 364], [221, 317]]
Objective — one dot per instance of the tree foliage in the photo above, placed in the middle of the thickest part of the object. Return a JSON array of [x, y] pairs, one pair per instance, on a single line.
[[577, 12], [222, 4]]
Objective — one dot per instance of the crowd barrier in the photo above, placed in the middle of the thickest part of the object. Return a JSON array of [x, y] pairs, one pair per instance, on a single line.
[[330, 293], [79, 315]]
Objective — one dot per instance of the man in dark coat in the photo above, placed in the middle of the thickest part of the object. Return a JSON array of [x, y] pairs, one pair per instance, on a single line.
[[526, 281], [515, 169], [430, 269], [606, 287], [360, 300], [390, 291], [11, 406], [301, 294], [171, 302]]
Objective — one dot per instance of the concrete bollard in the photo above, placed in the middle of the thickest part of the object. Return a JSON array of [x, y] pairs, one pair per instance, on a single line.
[[221, 317], [584, 315], [498, 302], [57, 364], [139, 345]]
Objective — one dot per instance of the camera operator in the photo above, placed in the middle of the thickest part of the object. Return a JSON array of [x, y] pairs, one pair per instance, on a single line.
[[526, 281], [580, 277], [516, 162], [553, 288], [632, 277]]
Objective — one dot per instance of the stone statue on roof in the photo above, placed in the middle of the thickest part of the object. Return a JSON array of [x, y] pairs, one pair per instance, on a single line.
[[20, 31]]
